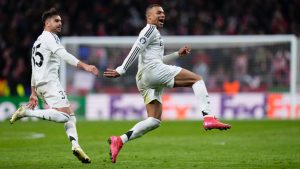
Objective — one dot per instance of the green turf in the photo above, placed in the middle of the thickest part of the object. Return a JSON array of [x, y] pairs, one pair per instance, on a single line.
[[249, 144]]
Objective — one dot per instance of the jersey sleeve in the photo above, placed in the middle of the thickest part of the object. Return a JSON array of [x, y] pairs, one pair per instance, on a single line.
[[66, 56], [53, 42], [144, 39], [170, 57]]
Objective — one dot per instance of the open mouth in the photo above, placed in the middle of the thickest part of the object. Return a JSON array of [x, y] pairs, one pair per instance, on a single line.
[[161, 21]]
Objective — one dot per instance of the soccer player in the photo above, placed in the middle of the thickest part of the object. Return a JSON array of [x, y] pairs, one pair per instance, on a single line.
[[153, 75], [46, 54]]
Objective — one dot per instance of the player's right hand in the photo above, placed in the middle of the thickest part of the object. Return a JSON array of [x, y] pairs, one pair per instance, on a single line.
[[33, 101], [89, 68], [93, 69], [185, 50], [111, 73]]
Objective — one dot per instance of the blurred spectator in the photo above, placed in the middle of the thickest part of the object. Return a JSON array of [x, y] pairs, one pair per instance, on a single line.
[[17, 80], [279, 24], [201, 64], [240, 67], [231, 86], [280, 69]]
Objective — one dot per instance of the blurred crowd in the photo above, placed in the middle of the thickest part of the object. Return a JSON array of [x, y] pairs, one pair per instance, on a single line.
[[20, 24], [230, 69]]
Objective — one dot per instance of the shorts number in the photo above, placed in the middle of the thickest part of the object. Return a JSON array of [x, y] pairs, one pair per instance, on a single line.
[[63, 95], [36, 53]]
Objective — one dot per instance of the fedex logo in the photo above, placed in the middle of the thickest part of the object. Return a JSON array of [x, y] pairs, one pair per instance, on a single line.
[[243, 106], [256, 105]]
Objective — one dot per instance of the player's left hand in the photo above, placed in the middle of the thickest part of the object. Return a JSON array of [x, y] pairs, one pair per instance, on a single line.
[[185, 50], [111, 73], [33, 100]]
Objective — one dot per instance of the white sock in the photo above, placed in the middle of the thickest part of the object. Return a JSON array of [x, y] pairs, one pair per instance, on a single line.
[[70, 127], [140, 129], [48, 114], [202, 97]]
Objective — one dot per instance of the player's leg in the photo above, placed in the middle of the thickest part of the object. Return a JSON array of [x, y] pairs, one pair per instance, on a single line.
[[70, 126], [45, 114], [61, 103], [71, 131], [53, 95], [187, 78], [154, 110], [152, 100]]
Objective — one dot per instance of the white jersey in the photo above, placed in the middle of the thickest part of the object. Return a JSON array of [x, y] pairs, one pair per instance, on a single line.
[[153, 52], [150, 49], [153, 75], [45, 63]]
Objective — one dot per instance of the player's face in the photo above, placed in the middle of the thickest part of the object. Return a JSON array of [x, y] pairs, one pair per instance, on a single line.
[[54, 24], [157, 16]]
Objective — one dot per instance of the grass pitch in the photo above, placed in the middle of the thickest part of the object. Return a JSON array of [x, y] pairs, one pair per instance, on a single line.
[[181, 144]]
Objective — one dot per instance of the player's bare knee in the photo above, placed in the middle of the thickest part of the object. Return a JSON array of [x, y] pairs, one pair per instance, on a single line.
[[197, 78]]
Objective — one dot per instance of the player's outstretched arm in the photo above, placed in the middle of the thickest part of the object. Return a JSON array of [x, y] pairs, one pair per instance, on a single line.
[[183, 51], [89, 68], [72, 60], [111, 73], [145, 37]]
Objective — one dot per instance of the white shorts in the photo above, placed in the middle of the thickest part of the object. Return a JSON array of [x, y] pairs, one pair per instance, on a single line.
[[151, 83], [53, 94]]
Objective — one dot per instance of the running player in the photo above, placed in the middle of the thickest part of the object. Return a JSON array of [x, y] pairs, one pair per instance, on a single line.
[[154, 75], [47, 52]]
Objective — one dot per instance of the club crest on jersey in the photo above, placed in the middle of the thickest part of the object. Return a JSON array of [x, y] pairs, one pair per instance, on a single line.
[[143, 40]]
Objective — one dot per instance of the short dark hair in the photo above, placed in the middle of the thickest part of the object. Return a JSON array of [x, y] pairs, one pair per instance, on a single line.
[[150, 7], [48, 14]]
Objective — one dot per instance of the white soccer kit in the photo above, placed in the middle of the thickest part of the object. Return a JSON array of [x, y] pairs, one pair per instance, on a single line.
[[45, 69], [153, 75]]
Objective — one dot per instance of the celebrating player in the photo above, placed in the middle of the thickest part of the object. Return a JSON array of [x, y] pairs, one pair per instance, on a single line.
[[153, 75], [46, 54]]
